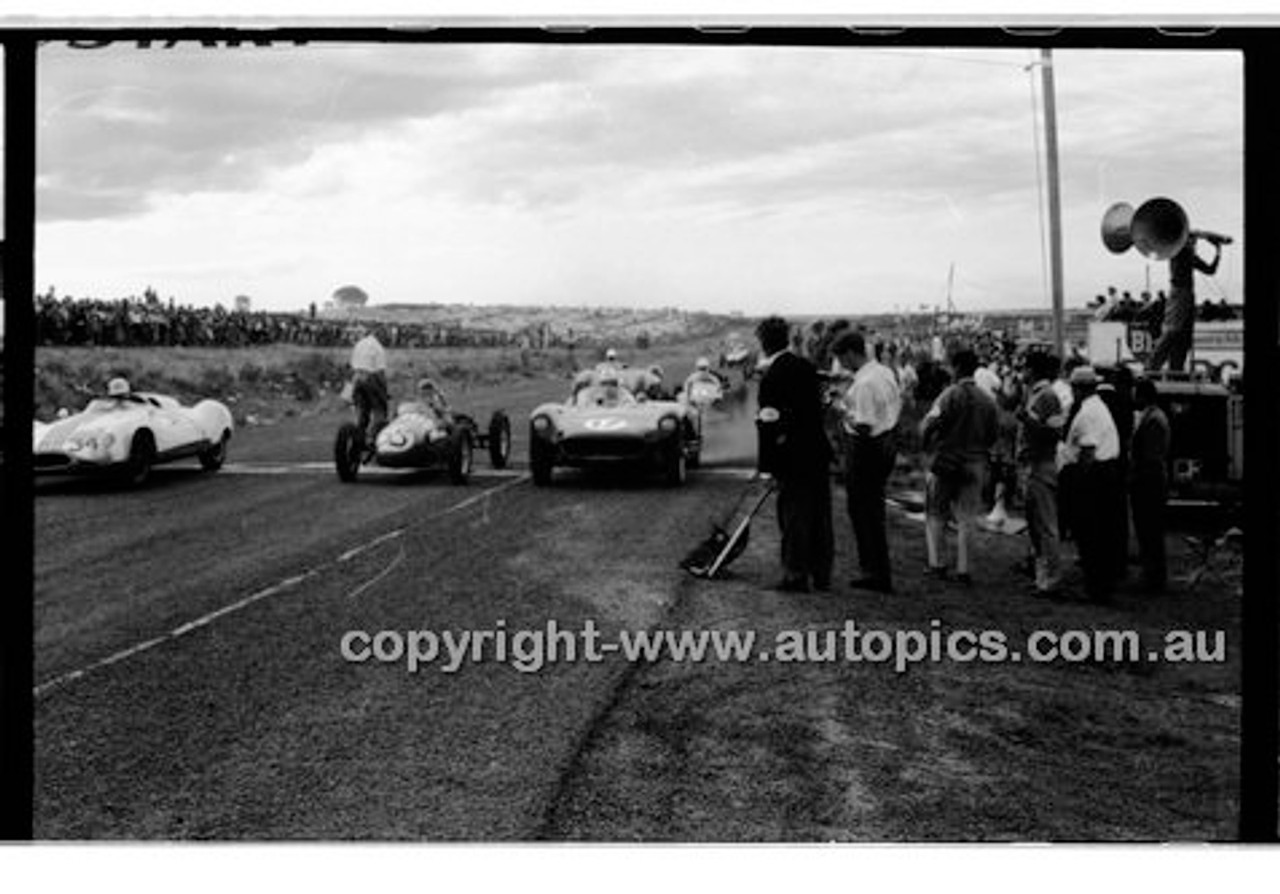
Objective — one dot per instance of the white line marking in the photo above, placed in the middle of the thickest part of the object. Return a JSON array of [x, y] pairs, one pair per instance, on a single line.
[[355, 551], [379, 576], [271, 468], [483, 495], [278, 587]]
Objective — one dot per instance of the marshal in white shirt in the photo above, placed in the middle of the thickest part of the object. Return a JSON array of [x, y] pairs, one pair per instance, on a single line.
[[1092, 427], [873, 400], [368, 355]]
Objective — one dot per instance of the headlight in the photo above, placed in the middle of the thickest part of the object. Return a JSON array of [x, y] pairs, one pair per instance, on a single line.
[[541, 424], [396, 439], [668, 424]]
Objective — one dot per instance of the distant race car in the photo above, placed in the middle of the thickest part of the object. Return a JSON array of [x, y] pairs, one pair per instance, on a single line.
[[603, 423], [126, 433], [419, 437]]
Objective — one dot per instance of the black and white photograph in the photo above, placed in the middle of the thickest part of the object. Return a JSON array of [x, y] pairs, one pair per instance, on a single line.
[[660, 438]]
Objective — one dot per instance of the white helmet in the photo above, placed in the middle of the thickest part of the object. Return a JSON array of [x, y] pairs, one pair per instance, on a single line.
[[611, 354], [118, 387], [703, 363]]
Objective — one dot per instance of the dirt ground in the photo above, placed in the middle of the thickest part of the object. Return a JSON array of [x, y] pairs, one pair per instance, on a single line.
[[945, 751]]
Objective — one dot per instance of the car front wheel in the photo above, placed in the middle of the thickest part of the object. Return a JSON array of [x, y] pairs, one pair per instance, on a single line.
[[142, 455], [540, 463]]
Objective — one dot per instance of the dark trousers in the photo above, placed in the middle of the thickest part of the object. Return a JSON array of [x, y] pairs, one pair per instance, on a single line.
[[1147, 496], [804, 519], [1175, 340], [369, 394], [1093, 505], [868, 463]]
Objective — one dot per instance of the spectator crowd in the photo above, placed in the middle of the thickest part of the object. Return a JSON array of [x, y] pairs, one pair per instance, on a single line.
[[147, 321], [990, 422], [1148, 310]]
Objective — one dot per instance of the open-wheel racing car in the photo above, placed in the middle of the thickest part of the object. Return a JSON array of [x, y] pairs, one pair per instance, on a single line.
[[420, 436], [126, 433], [604, 424]]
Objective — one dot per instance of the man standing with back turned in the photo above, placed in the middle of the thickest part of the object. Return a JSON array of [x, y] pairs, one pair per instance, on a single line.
[[793, 448], [872, 406]]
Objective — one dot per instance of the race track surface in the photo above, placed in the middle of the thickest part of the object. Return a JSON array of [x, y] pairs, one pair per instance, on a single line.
[[189, 678]]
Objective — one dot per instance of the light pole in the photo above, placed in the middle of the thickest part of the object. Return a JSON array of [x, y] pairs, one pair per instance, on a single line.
[[1055, 201]]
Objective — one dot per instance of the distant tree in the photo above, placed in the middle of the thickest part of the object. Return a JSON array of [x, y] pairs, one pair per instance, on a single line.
[[642, 340]]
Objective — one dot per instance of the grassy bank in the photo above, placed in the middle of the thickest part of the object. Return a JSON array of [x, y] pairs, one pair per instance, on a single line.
[[286, 380]]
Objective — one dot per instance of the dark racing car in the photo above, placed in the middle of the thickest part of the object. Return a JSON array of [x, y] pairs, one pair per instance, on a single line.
[[422, 436], [604, 424]]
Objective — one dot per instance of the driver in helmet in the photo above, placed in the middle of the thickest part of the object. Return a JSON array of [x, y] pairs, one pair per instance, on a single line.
[[430, 395], [701, 375]]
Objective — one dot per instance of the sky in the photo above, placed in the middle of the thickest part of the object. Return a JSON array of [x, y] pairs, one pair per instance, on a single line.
[[752, 179]]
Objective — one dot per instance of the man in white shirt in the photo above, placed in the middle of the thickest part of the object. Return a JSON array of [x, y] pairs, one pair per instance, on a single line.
[[988, 380], [369, 383], [872, 406], [1091, 470]]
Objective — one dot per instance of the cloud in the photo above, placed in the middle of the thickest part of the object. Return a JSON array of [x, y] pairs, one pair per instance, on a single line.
[[633, 173]]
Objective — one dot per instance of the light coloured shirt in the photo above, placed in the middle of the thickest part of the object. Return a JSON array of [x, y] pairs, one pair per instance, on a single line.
[[1093, 427], [1066, 396], [987, 380], [873, 399], [368, 355]]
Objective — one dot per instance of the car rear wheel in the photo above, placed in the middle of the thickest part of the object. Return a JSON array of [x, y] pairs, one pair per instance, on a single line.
[[460, 462], [211, 460], [347, 449], [499, 440], [540, 463], [142, 455]]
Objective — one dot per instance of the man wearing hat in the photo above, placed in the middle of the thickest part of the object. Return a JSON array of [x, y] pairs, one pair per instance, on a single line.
[[1092, 451]]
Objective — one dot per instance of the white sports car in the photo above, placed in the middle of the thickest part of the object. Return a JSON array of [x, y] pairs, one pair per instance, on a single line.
[[130, 433]]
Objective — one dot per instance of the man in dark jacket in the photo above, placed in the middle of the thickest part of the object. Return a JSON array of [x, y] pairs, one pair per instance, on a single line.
[[1148, 488], [959, 432], [793, 448]]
